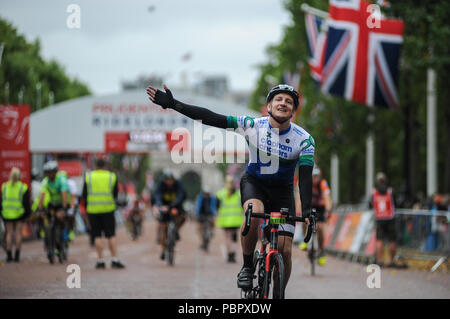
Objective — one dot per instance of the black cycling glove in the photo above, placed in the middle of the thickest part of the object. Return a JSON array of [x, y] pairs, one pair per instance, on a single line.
[[165, 100]]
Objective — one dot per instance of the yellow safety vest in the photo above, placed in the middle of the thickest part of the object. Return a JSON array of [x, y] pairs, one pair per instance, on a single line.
[[12, 196], [100, 185], [35, 205], [230, 213]]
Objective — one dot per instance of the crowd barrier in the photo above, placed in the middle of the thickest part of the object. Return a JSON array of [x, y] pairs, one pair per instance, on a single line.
[[420, 234]]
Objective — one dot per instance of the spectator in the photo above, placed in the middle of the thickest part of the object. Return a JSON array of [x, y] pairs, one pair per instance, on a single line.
[[384, 208], [14, 209]]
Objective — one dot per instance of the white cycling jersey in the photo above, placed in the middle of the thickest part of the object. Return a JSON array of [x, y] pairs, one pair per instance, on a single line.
[[273, 154]]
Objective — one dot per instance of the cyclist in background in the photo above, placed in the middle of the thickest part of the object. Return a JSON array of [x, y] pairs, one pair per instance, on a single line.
[[205, 210], [321, 201], [276, 147], [169, 194], [135, 216], [55, 183], [230, 216]]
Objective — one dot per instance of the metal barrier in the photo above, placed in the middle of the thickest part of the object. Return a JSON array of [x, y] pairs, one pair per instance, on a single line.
[[420, 234], [423, 234]]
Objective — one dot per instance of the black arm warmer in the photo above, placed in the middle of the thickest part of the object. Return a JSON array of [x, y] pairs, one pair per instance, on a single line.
[[305, 186], [200, 113]]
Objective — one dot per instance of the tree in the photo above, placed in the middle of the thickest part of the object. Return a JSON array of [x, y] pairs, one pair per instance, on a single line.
[[341, 126], [25, 77]]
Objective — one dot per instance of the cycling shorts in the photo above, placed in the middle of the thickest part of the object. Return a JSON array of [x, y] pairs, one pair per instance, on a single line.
[[165, 217], [274, 198]]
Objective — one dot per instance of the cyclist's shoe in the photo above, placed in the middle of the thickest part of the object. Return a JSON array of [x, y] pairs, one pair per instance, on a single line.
[[303, 246], [100, 265], [245, 278], [117, 264], [322, 260]]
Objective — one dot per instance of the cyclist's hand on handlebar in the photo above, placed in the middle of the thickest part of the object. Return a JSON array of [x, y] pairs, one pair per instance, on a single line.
[[165, 100]]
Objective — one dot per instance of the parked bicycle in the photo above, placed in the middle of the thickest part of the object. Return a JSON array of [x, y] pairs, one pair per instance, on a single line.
[[269, 264]]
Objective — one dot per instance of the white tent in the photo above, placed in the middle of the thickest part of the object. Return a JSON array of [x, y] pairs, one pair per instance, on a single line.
[[80, 125]]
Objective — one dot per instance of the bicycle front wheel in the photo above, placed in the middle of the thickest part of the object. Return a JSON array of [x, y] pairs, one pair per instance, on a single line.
[[170, 249], [274, 279]]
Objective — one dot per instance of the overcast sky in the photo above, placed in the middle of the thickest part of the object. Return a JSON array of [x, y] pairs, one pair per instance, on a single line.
[[120, 40]]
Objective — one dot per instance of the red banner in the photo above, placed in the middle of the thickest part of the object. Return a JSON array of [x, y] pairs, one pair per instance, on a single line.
[[116, 142], [347, 232], [14, 141], [72, 168]]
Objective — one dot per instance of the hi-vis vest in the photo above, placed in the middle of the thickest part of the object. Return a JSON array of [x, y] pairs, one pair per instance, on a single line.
[[12, 196], [100, 186], [230, 213], [35, 205], [383, 204]]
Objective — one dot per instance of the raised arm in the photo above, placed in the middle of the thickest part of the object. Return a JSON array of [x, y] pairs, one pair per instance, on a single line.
[[166, 100]]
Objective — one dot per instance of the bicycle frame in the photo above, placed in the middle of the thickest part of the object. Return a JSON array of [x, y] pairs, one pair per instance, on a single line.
[[273, 220]]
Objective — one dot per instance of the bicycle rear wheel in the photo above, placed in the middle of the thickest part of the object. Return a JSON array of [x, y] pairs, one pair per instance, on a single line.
[[275, 289]]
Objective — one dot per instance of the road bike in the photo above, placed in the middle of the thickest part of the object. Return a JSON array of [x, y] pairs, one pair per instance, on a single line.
[[269, 264], [171, 236], [312, 256], [54, 241], [207, 232]]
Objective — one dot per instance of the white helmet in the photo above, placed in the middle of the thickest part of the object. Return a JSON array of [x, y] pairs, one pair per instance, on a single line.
[[51, 166]]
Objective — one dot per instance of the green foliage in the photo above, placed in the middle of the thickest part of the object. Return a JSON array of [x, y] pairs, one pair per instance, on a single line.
[[341, 126], [22, 68]]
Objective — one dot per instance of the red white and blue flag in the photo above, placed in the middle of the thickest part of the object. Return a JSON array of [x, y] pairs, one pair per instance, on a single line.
[[360, 59], [317, 39]]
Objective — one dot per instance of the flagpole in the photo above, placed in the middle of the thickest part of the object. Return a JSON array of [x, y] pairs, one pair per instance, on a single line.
[[431, 133], [370, 158], [334, 179], [317, 12]]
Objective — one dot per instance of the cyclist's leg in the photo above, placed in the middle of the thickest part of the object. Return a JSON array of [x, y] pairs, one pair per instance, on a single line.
[[96, 233], [248, 242], [109, 223]]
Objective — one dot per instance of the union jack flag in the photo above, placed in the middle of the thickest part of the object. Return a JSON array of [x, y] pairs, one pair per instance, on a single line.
[[360, 59], [317, 38]]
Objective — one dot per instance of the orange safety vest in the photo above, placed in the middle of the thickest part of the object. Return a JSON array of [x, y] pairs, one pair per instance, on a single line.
[[383, 204]]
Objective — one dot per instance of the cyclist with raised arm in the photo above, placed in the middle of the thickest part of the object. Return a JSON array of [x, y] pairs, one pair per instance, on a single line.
[[169, 194], [276, 146]]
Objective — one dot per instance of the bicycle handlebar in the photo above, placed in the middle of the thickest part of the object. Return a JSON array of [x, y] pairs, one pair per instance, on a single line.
[[311, 227]]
